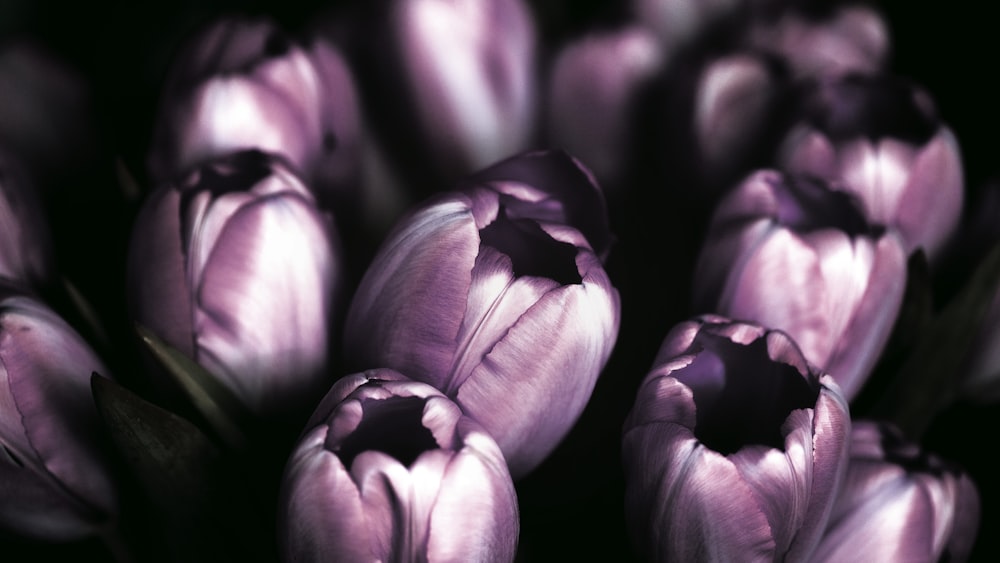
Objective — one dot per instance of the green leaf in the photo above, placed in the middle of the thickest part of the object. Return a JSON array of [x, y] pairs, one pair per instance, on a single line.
[[193, 488], [223, 411], [929, 379]]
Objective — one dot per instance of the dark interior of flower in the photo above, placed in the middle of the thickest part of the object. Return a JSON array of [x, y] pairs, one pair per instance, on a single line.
[[742, 396], [810, 204], [910, 456], [531, 250], [869, 106], [392, 426], [277, 44]]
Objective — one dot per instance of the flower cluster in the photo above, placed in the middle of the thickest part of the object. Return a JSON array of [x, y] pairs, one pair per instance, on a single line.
[[517, 280]]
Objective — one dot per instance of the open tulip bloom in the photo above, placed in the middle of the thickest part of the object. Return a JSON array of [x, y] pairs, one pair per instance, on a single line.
[[236, 267], [794, 254], [899, 504], [391, 470], [243, 84], [55, 478], [489, 295], [735, 448], [881, 139]]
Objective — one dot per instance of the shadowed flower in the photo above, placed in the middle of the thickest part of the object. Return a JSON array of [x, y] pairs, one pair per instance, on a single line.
[[899, 504], [55, 481], [243, 84], [494, 296], [25, 247], [735, 448], [881, 139], [792, 254], [391, 470], [237, 268]]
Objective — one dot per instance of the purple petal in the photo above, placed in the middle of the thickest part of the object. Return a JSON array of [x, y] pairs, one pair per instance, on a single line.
[[934, 195]]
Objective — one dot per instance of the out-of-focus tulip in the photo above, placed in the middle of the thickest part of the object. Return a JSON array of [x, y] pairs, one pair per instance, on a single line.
[[899, 504], [592, 95], [466, 71], [830, 42], [243, 84], [734, 100], [55, 482], [391, 470], [494, 296], [735, 448], [793, 254], [676, 22], [25, 246], [881, 139], [237, 268]]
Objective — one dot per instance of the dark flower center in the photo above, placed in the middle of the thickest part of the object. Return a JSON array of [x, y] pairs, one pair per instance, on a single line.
[[393, 426], [531, 250], [810, 204], [742, 397]]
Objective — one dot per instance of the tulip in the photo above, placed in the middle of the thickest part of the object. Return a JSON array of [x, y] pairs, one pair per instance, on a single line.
[[237, 268], [25, 247], [594, 86], [831, 42], [391, 470], [491, 296], [678, 22], [55, 481], [734, 449], [459, 75], [242, 84], [881, 139], [791, 253], [898, 503]]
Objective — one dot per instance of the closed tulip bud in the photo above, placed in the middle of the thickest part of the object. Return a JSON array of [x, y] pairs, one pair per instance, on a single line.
[[824, 43], [243, 84], [593, 91], [493, 297], [735, 448], [467, 71], [899, 503], [55, 482], [237, 268], [791, 253], [880, 138], [25, 247], [391, 470]]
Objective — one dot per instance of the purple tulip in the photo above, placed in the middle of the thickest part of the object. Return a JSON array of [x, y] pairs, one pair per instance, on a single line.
[[237, 268], [467, 69], [25, 247], [677, 22], [242, 84], [899, 504], [828, 43], [735, 448], [592, 95], [881, 139], [55, 482], [792, 254], [391, 470], [493, 296]]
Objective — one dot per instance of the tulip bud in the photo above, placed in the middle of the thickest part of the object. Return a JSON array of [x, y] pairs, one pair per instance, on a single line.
[[237, 268], [493, 296], [881, 139], [792, 254], [899, 504], [735, 448], [25, 247], [391, 470], [832, 42], [593, 89], [55, 482], [466, 69], [242, 84]]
